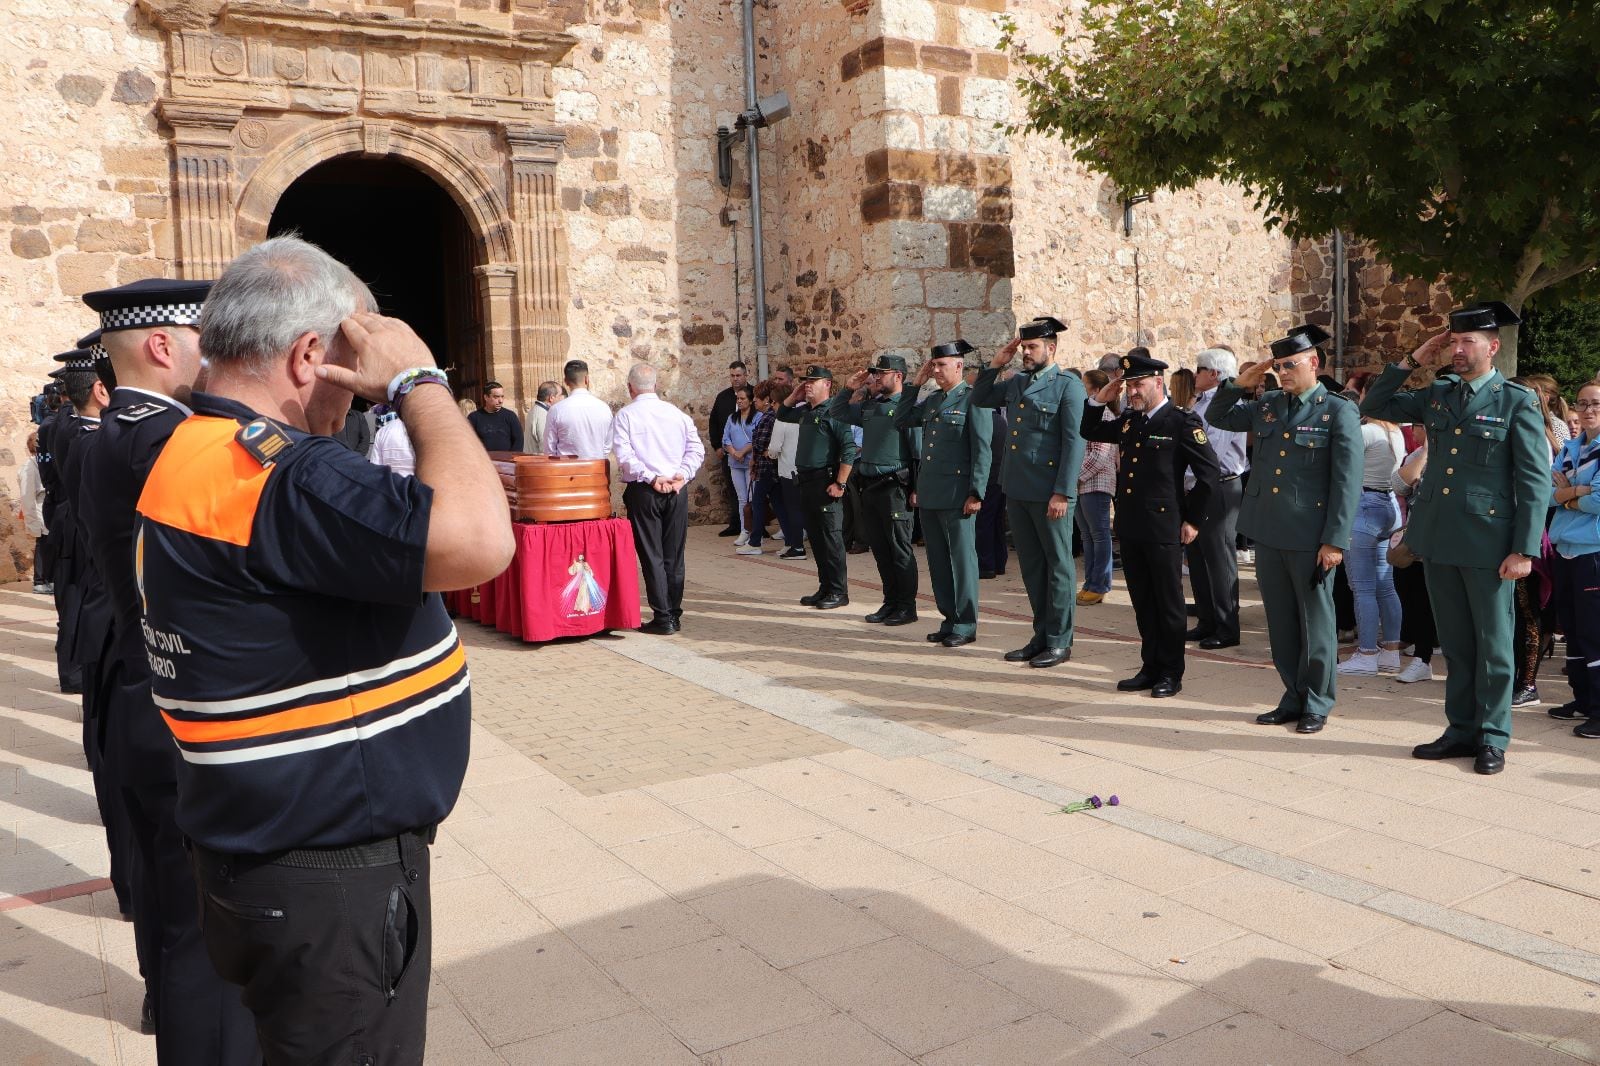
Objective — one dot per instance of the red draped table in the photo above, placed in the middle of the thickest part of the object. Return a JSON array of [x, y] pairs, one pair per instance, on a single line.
[[567, 579]]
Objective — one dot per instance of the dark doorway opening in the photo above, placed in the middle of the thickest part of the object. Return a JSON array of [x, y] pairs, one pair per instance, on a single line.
[[406, 238]]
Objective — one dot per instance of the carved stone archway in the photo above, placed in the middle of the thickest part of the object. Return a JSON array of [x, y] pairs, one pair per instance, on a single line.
[[260, 93]]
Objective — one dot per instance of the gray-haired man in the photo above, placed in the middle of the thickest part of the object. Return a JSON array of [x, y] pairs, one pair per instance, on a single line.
[[1213, 564]]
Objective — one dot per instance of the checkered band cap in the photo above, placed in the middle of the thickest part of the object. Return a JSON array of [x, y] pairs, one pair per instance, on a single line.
[[150, 315]]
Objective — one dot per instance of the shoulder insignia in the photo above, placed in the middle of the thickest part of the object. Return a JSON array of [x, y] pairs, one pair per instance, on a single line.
[[1322, 399], [140, 411], [264, 440], [1199, 435], [1519, 386]]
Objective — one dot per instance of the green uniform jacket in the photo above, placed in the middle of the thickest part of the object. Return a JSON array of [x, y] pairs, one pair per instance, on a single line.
[[956, 447], [1044, 450], [886, 446], [1305, 469], [1486, 487], [823, 441]]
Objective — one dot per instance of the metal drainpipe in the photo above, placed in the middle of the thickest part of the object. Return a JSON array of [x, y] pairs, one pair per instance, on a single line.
[[1339, 302], [759, 267]]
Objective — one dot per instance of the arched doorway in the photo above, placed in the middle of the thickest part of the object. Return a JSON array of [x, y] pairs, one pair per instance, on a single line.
[[405, 237]]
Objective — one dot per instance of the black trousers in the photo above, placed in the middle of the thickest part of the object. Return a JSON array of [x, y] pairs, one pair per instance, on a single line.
[[200, 1019], [991, 531], [1577, 596], [1416, 610], [333, 962], [886, 526], [735, 518], [44, 560], [660, 522], [824, 517], [1214, 564], [789, 489], [1154, 573]]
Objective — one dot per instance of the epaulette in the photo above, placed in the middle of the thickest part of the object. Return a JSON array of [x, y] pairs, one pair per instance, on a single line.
[[264, 439], [140, 411], [1518, 385]]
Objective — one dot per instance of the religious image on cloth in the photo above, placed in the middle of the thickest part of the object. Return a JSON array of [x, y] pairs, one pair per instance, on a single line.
[[582, 595]]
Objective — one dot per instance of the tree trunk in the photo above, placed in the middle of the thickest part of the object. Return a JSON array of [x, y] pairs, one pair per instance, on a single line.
[[1505, 360]]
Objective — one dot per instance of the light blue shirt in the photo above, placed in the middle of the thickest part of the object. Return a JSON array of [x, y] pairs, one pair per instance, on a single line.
[[739, 434], [1577, 532], [1229, 446]]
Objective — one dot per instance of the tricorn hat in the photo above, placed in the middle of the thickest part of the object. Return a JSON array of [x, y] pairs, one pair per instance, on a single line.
[[956, 349], [1043, 327], [1300, 339], [1482, 316]]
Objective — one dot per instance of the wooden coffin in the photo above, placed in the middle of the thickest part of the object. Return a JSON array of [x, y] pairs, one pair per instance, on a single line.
[[542, 489]]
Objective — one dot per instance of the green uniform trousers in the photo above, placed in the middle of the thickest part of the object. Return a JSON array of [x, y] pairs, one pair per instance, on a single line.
[[951, 540], [1473, 610], [884, 520], [1301, 627], [1044, 554]]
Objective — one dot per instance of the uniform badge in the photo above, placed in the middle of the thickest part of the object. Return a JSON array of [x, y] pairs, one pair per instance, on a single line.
[[1327, 418], [264, 440], [139, 412], [1199, 435], [1267, 416]]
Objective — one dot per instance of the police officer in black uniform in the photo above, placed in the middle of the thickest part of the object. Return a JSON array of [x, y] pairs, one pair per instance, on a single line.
[[150, 346], [1155, 517], [80, 416], [824, 456], [883, 470]]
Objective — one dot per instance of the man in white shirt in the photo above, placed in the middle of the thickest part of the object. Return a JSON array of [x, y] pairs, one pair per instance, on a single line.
[[579, 426], [658, 450], [1213, 561]]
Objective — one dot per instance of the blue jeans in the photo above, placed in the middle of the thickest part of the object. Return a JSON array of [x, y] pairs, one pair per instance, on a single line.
[[1093, 518], [1371, 577]]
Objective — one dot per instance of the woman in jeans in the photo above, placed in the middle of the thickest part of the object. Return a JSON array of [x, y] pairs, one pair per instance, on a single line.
[[1575, 535], [1097, 482], [738, 441], [1367, 562], [764, 491]]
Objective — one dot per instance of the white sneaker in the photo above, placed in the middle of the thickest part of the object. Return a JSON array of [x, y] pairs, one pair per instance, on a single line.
[[744, 538], [1246, 556], [1389, 661], [1360, 664], [747, 549], [41, 588], [1416, 670]]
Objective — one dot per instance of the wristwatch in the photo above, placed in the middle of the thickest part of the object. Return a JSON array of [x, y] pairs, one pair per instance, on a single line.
[[1412, 361], [841, 484]]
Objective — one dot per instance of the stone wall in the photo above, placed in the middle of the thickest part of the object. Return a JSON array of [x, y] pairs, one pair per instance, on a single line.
[[1387, 315]]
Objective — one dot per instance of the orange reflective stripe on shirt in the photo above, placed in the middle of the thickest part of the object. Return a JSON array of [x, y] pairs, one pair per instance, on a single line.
[[205, 483], [319, 714]]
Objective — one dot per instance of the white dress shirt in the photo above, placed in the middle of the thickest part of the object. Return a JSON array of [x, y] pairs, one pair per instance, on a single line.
[[1232, 458], [391, 447], [578, 426], [650, 438]]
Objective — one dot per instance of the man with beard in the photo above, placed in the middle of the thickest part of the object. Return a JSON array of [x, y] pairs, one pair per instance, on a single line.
[[1044, 450], [1155, 517], [1299, 509], [883, 471], [824, 457], [1477, 520]]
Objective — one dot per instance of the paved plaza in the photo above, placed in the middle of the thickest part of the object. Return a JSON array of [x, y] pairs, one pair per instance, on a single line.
[[786, 836]]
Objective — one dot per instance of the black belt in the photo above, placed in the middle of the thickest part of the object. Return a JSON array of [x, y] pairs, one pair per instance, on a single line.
[[1227, 477], [1384, 491], [385, 852], [815, 473]]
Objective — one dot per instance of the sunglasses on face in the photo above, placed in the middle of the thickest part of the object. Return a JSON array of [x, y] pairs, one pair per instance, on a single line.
[[1285, 365]]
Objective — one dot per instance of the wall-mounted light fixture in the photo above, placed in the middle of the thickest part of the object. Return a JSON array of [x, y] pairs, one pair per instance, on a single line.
[[1128, 203]]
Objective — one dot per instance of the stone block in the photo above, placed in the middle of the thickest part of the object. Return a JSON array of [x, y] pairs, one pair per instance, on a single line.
[[957, 169], [107, 235], [986, 98], [905, 287], [130, 270], [989, 139], [980, 28], [80, 89], [604, 170], [133, 87], [918, 245], [136, 162], [992, 65], [1000, 294], [950, 96], [964, 289], [982, 246], [77, 273], [703, 333], [952, 203], [917, 19], [29, 244], [948, 134], [889, 200], [163, 239], [150, 205], [945, 59], [994, 205], [576, 107], [582, 142], [910, 90], [901, 131], [25, 215], [904, 326], [988, 329], [613, 200]]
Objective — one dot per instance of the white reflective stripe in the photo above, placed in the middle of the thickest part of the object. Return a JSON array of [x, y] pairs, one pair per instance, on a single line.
[[327, 740], [310, 688], [1596, 662]]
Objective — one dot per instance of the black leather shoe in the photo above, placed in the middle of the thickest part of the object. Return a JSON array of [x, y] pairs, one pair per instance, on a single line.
[[730, 531], [828, 603], [1311, 723], [147, 1016], [954, 641], [985, 575], [899, 618], [1137, 683], [1023, 654], [1166, 686], [1213, 643], [1278, 717], [936, 637], [1569, 712], [811, 600], [1588, 730], [1199, 634], [1490, 760], [1051, 657], [661, 627], [1445, 748], [879, 615]]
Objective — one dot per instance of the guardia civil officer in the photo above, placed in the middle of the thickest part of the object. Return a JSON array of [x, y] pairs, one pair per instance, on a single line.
[[952, 477], [824, 456], [1155, 517], [149, 340], [871, 399], [1477, 517], [1298, 507], [1043, 454]]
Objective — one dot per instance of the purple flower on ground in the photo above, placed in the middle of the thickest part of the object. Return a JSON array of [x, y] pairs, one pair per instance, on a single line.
[[1113, 801], [1094, 801]]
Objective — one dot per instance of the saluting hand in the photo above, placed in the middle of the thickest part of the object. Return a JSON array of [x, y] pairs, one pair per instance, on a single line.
[[796, 395], [1109, 393], [1005, 354], [855, 381], [1254, 374], [383, 347], [1432, 352], [924, 373]]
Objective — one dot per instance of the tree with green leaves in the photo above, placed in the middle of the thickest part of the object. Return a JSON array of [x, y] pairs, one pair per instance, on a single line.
[[1460, 137]]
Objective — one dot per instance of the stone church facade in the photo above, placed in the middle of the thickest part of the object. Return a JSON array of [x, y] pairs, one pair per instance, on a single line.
[[535, 180]]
